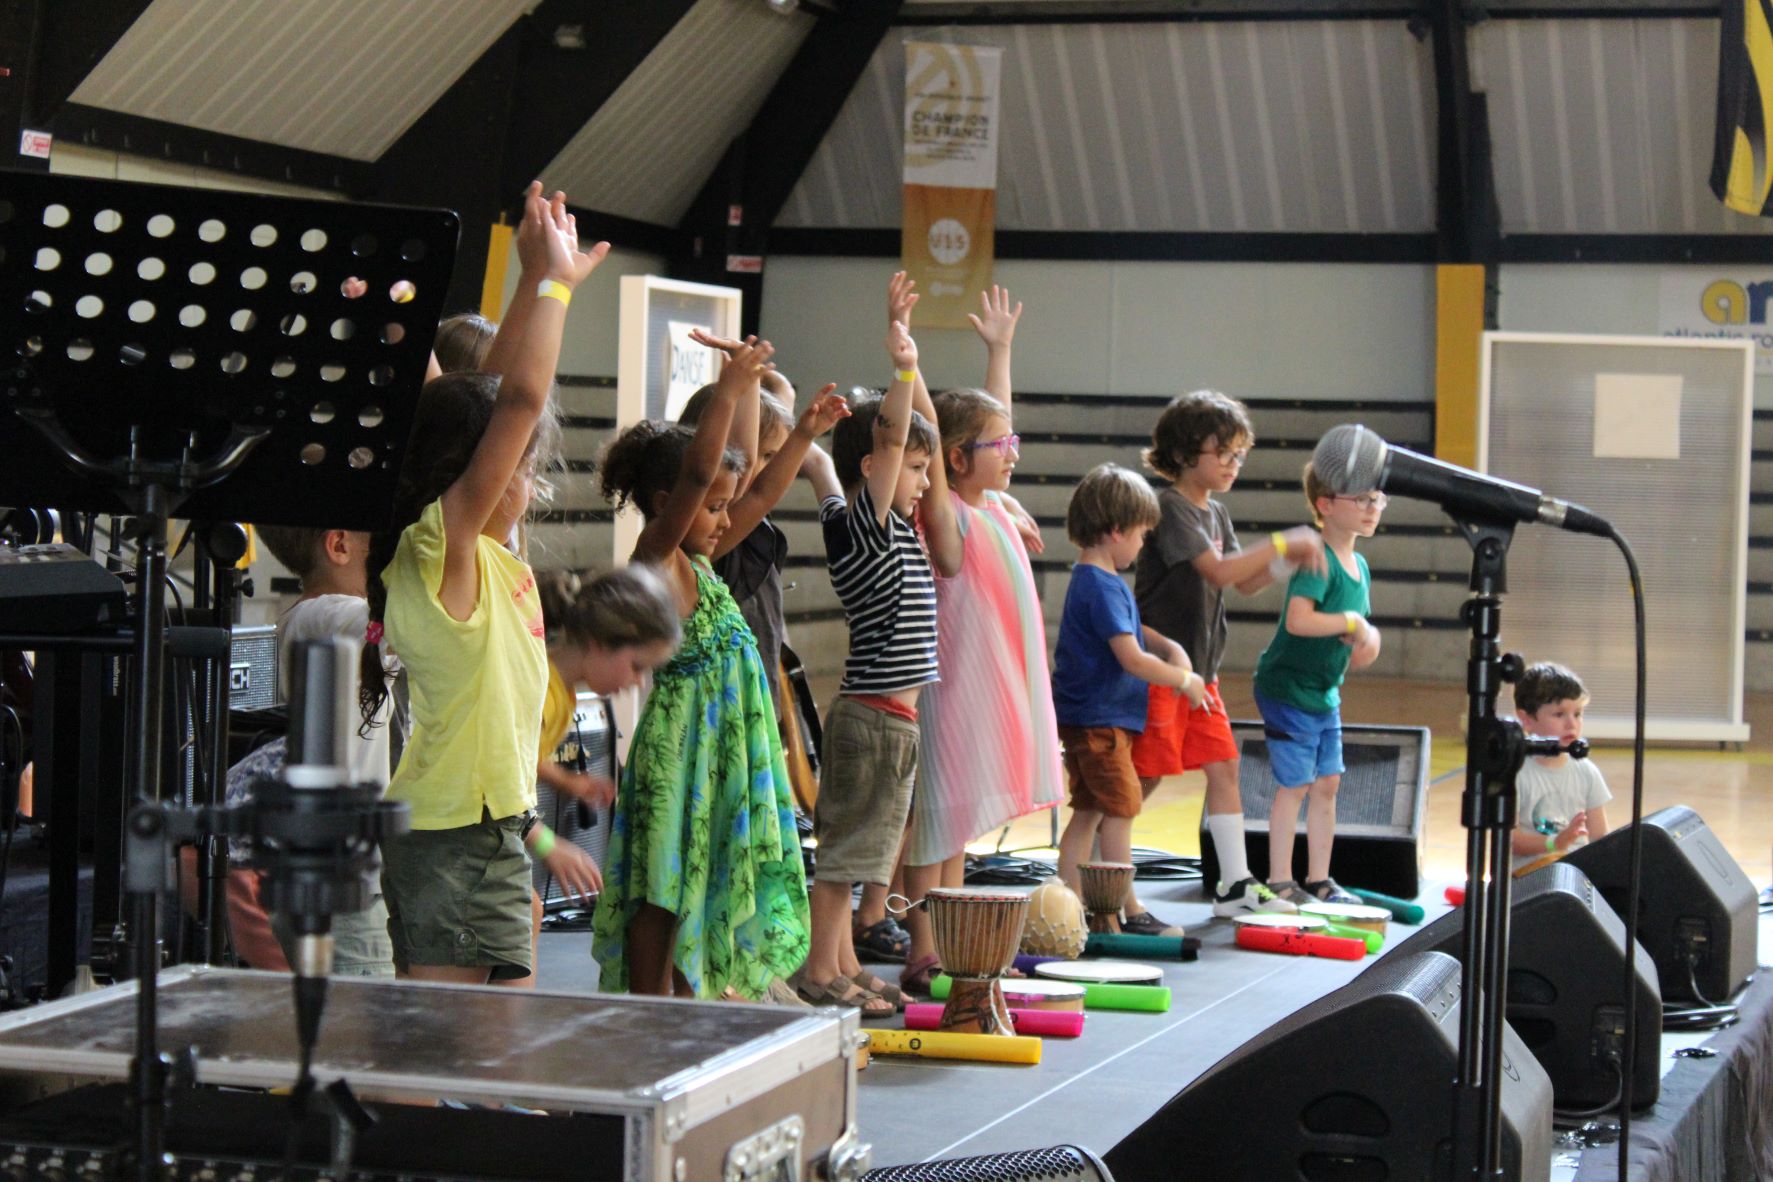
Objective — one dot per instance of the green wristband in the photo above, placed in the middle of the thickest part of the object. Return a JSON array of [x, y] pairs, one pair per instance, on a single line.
[[544, 844], [1551, 841]]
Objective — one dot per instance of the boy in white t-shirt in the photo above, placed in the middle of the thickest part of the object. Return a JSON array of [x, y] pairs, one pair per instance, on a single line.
[[332, 565], [1560, 800]]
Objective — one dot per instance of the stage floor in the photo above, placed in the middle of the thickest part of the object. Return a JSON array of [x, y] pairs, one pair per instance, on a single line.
[[1095, 1090]]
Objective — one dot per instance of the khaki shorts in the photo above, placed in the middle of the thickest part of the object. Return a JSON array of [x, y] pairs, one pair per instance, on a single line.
[[869, 765], [460, 897], [1099, 764], [360, 943]]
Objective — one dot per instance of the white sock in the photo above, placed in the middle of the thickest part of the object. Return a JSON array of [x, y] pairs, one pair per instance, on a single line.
[[1228, 842]]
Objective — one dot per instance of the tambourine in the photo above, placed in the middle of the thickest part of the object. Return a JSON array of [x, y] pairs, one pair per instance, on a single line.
[[1102, 972]]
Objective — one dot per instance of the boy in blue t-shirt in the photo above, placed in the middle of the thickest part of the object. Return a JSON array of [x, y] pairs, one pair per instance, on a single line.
[[1104, 662], [1322, 634]]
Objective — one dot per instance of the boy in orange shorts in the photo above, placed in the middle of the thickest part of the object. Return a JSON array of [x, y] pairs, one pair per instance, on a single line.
[[1199, 445]]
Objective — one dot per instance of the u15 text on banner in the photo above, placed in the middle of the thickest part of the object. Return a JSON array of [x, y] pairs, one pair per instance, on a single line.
[[951, 133]]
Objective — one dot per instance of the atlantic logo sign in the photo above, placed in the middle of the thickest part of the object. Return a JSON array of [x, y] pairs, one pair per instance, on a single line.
[[1712, 306]]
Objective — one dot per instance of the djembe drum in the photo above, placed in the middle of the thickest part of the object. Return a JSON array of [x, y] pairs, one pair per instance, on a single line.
[[976, 930], [1104, 887]]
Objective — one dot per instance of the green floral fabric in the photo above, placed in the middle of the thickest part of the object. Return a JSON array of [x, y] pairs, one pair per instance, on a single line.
[[704, 816]]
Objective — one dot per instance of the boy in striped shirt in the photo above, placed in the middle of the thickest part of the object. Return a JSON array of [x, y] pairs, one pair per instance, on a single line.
[[884, 454]]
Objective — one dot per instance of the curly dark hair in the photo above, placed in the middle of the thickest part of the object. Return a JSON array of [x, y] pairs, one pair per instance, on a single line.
[[1188, 422], [644, 460]]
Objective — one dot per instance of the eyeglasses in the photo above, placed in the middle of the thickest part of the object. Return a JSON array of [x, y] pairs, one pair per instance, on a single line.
[[1226, 455], [1005, 444], [1366, 500]]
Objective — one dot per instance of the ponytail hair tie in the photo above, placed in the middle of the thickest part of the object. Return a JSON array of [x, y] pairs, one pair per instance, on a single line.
[[373, 633]]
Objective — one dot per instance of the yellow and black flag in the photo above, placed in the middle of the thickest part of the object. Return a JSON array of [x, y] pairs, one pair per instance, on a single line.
[[1741, 172]]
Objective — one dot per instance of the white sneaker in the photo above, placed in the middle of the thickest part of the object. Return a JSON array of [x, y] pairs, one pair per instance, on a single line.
[[1249, 895]]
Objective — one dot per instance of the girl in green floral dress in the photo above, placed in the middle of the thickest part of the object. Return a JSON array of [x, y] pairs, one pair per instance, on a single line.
[[703, 886]]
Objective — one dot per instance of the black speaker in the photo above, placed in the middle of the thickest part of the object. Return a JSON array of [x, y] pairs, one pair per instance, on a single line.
[[1566, 955], [1356, 1087], [589, 746], [1696, 910], [1380, 808], [1062, 1163]]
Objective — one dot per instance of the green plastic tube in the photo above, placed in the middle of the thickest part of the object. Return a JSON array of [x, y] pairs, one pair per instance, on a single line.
[[1373, 940], [1401, 910], [1150, 999], [1136, 947]]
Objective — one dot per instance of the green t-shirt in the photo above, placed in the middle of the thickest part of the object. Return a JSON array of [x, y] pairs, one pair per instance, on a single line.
[[1306, 671]]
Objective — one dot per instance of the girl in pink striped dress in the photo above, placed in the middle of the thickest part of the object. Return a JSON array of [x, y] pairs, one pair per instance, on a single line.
[[989, 749]]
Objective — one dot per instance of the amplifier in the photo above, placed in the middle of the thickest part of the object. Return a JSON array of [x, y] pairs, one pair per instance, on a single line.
[[632, 1089], [252, 668], [55, 588], [589, 746]]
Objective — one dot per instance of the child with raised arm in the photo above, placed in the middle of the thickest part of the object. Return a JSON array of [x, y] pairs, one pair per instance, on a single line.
[[1103, 663], [883, 454], [703, 888], [460, 611], [1199, 445], [1322, 634], [989, 750], [1560, 801]]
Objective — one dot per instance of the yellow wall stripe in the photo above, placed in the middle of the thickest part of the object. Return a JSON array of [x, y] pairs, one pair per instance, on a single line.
[[498, 258], [1458, 334]]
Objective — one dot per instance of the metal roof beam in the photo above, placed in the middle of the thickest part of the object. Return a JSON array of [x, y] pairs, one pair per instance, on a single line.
[[764, 164]]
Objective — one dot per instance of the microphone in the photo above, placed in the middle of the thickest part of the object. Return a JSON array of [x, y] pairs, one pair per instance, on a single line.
[[1350, 459]]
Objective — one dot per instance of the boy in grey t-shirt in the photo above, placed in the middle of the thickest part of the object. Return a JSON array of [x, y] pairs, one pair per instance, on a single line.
[[1199, 445]]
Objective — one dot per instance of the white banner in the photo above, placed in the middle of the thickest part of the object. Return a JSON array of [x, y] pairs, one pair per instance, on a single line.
[[951, 115], [1725, 305]]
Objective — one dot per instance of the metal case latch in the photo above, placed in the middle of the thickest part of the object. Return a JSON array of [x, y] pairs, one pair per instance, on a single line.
[[771, 1155]]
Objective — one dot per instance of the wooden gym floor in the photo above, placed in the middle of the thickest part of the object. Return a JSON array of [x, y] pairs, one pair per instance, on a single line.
[[1731, 789]]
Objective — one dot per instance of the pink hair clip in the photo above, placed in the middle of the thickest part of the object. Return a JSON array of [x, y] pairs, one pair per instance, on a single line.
[[373, 633]]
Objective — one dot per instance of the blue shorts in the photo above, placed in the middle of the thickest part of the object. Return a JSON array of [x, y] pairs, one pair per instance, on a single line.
[[1302, 746]]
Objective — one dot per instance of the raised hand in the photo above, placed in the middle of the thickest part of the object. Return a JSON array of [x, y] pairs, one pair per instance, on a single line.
[[744, 366], [726, 345], [900, 347], [826, 410], [901, 298], [559, 232], [996, 323]]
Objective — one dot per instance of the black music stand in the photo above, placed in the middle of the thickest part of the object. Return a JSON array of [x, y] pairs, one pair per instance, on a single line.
[[222, 356]]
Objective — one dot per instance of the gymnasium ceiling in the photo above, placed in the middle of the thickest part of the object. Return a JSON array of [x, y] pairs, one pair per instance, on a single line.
[[1207, 117]]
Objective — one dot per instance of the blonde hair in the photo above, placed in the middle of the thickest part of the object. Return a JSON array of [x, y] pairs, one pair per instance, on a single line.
[[1314, 488], [1109, 498], [962, 415]]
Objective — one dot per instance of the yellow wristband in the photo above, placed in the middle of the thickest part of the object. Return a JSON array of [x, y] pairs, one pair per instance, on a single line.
[[544, 842], [1279, 542], [1354, 620], [905, 375], [1551, 841], [554, 289]]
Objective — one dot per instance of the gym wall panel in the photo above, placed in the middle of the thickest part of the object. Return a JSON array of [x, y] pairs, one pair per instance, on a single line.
[[1269, 330]]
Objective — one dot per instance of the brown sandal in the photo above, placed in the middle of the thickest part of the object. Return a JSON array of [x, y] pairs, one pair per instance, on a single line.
[[884, 989], [918, 974], [844, 992]]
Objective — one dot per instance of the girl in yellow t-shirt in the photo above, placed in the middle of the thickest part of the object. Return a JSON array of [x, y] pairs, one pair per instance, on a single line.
[[461, 612]]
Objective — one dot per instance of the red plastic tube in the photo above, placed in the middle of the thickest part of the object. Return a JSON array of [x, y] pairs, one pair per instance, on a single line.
[[1300, 943]]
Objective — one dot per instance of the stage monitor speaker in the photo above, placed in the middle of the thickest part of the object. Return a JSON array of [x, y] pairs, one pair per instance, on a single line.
[[1062, 1163], [1380, 809], [1356, 1087], [1566, 954], [1697, 909], [589, 746], [252, 668]]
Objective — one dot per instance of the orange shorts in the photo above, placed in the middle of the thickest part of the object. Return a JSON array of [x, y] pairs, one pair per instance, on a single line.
[[1179, 739]]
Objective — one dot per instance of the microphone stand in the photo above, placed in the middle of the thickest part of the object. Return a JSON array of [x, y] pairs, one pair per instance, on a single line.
[[1495, 750]]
